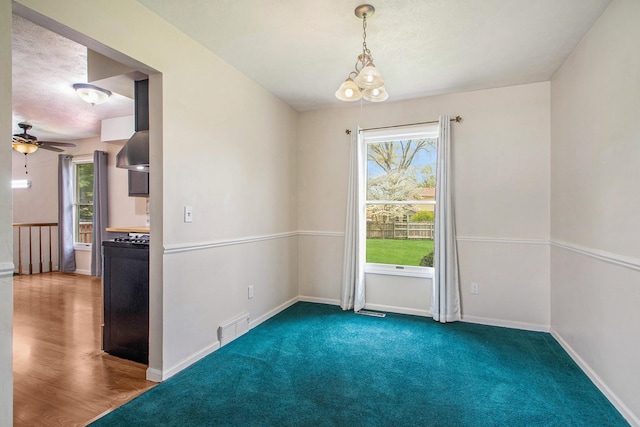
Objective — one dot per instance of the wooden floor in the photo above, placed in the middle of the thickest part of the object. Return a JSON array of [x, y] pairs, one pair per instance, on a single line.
[[60, 375]]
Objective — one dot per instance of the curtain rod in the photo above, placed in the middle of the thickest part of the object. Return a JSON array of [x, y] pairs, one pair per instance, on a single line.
[[457, 119]]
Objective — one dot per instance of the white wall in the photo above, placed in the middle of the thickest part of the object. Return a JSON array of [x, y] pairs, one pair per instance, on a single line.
[[501, 179], [595, 257], [6, 264], [40, 202], [221, 144]]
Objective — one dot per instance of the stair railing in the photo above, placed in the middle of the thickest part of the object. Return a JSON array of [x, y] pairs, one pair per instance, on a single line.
[[31, 226]]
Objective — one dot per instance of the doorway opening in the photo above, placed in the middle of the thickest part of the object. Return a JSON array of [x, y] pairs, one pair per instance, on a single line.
[[58, 316]]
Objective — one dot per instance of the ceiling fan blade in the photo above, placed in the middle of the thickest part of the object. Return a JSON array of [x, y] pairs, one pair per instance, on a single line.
[[50, 148], [61, 144]]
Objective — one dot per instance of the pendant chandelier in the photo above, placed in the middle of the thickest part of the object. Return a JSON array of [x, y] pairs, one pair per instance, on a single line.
[[365, 82]]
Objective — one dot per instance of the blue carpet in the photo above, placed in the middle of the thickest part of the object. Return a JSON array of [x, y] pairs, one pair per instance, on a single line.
[[316, 365]]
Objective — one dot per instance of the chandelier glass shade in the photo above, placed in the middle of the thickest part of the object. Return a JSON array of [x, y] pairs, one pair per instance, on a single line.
[[91, 94], [365, 82], [348, 91], [377, 94]]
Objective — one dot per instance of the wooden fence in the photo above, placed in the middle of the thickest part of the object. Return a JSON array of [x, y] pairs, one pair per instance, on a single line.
[[85, 232], [400, 230]]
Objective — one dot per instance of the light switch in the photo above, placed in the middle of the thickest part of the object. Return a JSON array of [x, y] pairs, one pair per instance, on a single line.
[[188, 214]]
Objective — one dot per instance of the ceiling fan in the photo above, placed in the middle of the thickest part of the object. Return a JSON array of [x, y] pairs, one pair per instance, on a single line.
[[27, 144]]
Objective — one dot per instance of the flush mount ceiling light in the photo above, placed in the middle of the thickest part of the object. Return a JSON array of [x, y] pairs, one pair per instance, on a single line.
[[94, 95], [365, 82]]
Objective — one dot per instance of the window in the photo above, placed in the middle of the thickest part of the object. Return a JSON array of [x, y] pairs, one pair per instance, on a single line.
[[82, 201], [399, 200]]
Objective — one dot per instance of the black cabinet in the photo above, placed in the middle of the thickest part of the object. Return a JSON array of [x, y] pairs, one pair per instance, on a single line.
[[138, 184], [126, 300]]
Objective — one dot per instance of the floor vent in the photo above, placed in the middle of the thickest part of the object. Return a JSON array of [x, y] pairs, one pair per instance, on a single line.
[[371, 313], [233, 329]]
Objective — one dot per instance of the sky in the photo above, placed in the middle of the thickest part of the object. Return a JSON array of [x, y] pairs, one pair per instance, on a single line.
[[421, 159]]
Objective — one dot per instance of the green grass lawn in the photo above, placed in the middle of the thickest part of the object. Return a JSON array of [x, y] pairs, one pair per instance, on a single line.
[[399, 252]]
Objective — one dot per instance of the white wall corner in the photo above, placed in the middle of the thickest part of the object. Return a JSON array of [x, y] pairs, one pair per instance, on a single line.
[[506, 323], [317, 300], [154, 375], [631, 418], [157, 375]]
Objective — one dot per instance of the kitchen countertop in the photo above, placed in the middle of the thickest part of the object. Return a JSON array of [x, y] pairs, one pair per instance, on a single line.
[[128, 229]]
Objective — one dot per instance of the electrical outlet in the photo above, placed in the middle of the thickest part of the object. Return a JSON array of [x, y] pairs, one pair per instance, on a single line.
[[475, 288], [250, 291]]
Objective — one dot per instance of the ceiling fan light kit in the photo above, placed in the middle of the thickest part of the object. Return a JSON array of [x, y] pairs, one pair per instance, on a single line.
[[365, 82], [92, 94], [25, 147], [28, 144]]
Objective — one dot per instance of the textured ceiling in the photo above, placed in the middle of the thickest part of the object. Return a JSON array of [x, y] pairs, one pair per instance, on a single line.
[[45, 66], [302, 50]]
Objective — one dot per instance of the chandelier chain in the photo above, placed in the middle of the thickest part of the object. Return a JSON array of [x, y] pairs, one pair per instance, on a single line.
[[365, 49]]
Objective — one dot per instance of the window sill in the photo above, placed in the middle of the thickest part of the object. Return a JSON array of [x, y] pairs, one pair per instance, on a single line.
[[399, 270], [82, 247]]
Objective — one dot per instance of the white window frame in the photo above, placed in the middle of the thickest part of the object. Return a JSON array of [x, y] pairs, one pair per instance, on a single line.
[[376, 136], [83, 159]]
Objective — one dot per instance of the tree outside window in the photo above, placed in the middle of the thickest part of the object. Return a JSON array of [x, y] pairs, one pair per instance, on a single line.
[[400, 200], [83, 204]]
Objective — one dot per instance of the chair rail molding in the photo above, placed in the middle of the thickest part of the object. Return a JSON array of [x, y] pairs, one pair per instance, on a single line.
[[610, 257]]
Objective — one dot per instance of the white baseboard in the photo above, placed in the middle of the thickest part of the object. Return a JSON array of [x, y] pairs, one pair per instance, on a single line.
[[506, 323], [399, 310], [271, 313], [83, 272], [631, 418], [6, 269], [157, 375], [376, 307], [319, 300], [154, 375]]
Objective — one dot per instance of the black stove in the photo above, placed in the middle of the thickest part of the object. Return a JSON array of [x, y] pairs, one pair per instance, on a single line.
[[133, 239], [128, 239], [125, 278]]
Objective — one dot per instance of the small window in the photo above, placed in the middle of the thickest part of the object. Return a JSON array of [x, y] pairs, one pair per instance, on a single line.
[[400, 200], [83, 201]]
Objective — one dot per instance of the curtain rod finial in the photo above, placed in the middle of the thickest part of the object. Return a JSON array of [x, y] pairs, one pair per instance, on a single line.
[[458, 119], [347, 131]]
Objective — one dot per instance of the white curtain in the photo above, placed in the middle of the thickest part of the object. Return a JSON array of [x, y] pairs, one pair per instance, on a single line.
[[66, 253], [353, 263], [445, 301], [100, 210]]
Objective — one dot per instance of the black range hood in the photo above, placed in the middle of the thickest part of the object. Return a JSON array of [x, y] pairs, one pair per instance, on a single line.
[[135, 153]]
